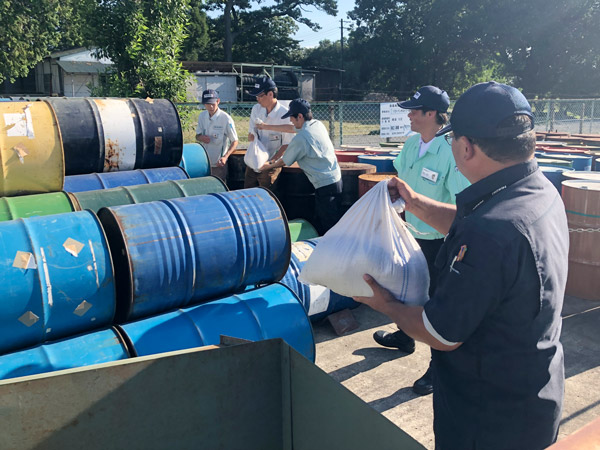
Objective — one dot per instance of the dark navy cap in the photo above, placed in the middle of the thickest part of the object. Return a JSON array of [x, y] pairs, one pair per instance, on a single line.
[[428, 97], [478, 112], [297, 106], [265, 84], [210, 96]]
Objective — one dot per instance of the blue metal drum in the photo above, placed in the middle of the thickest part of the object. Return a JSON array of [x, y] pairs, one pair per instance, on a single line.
[[178, 252], [95, 181], [84, 350], [269, 312], [555, 175], [195, 161], [318, 301], [382, 163], [264, 232], [56, 278], [154, 266], [579, 161]]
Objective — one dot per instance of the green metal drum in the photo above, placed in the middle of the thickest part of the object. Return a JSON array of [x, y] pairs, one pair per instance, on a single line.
[[301, 230], [34, 205], [127, 195]]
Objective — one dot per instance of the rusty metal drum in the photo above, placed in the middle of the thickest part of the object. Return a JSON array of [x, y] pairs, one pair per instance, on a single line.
[[31, 153]]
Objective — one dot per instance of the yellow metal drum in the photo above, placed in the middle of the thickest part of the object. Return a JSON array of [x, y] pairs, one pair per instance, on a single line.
[[31, 154]]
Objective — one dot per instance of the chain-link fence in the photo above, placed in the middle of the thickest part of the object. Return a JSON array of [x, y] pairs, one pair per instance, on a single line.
[[357, 123], [567, 116]]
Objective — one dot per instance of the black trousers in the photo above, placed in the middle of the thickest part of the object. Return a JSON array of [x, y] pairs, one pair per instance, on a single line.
[[430, 248], [327, 206]]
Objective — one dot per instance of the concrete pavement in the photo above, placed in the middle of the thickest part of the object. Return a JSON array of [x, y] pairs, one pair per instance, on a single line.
[[383, 377]]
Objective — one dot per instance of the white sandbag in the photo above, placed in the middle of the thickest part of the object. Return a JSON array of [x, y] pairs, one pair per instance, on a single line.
[[256, 154], [370, 238]]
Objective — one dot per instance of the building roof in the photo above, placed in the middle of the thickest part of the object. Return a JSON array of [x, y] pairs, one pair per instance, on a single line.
[[83, 66], [71, 51]]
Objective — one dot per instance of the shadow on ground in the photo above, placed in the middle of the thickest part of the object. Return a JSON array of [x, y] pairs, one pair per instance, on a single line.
[[580, 335]]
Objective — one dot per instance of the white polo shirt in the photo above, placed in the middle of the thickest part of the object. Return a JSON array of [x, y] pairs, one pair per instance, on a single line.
[[221, 130], [272, 140]]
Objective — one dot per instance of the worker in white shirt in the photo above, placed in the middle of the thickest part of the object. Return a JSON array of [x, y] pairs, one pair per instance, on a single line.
[[216, 132], [270, 111]]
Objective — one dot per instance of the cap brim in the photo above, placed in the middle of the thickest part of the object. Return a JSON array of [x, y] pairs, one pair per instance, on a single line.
[[210, 100], [410, 104], [446, 129], [256, 92], [287, 114]]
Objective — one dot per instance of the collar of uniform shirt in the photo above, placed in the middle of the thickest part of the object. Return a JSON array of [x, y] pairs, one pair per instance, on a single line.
[[479, 193]]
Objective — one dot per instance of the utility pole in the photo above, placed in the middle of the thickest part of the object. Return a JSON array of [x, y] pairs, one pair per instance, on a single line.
[[341, 58]]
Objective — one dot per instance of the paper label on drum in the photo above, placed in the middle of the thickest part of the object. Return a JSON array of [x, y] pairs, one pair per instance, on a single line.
[[119, 134], [302, 251], [16, 125], [319, 299]]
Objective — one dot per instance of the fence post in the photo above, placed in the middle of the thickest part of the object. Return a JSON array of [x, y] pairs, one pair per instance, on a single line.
[[331, 122], [551, 113], [341, 114], [592, 117], [582, 119]]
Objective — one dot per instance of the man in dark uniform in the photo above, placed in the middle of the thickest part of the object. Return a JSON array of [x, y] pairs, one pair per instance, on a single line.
[[494, 320]]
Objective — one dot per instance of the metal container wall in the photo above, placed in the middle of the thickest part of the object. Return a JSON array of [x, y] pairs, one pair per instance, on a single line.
[[195, 161], [578, 161], [159, 175], [269, 312], [78, 120], [102, 198], [200, 186], [112, 134], [34, 205], [128, 195], [31, 152], [236, 169], [160, 137], [297, 193], [555, 175], [346, 156], [84, 350], [173, 253], [383, 164], [118, 134], [154, 267], [582, 175], [95, 181], [350, 189], [301, 230], [56, 278], [367, 180], [582, 204], [264, 231], [542, 161], [318, 301]]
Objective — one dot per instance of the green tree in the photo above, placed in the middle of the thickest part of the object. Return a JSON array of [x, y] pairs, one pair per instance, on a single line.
[[545, 48], [551, 48], [239, 18], [272, 42], [143, 38], [30, 30], [197, 43], [413, 43], [326, 54]]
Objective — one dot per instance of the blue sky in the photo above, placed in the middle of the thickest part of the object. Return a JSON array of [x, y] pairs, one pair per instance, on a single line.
[[330, 26]]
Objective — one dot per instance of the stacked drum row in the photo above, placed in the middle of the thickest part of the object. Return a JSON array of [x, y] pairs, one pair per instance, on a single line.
[[148, 277], [43, 141], [571, 163]]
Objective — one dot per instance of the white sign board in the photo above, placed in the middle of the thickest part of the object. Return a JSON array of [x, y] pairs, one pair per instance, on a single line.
[[393, 120]]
